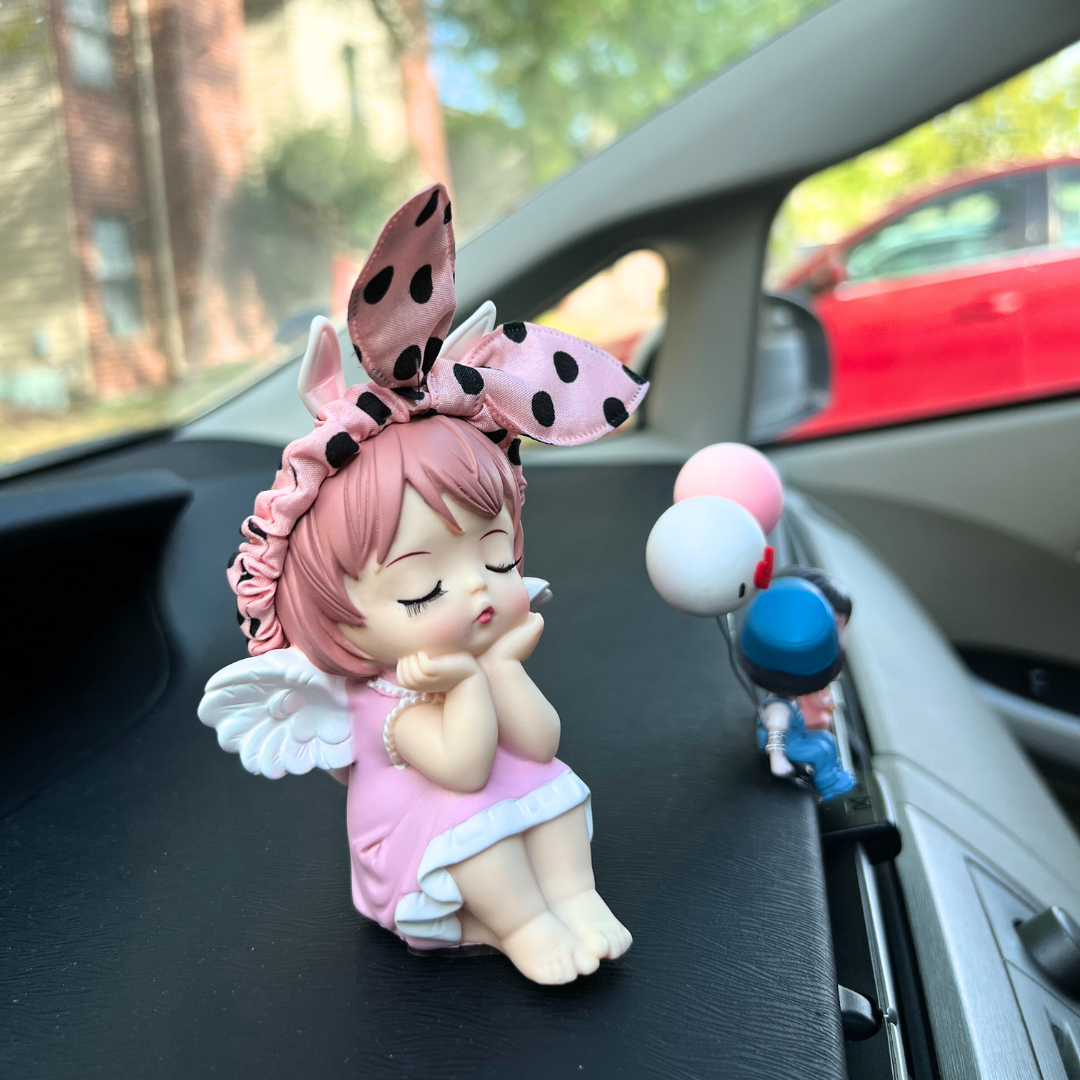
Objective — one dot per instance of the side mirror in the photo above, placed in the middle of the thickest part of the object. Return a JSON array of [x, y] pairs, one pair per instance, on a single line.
[[826, 276], [791, 369]]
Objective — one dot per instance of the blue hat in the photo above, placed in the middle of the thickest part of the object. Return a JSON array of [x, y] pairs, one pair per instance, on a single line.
[[788, 640]]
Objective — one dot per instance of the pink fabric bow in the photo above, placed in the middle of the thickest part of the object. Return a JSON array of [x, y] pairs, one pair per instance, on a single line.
[[521, 379]]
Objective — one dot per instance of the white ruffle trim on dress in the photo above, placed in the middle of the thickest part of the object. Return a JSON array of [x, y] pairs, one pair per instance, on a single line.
[[432, 913]]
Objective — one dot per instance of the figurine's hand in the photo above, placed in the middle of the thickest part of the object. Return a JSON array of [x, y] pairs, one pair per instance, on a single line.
[[780, 765], [516, 644], [435, 674]]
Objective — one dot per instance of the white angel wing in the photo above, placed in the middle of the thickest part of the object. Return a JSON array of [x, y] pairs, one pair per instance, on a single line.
[[539, 592], [280, 713]]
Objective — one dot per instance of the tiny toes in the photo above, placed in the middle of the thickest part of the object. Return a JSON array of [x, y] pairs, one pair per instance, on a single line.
[[586, 961]]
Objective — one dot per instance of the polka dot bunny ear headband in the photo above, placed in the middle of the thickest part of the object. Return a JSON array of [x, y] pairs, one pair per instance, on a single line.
[[518, 379]]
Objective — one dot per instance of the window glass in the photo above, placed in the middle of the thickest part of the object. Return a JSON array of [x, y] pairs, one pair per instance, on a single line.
[[91, 47], [971, 225], [621, 309], [940, 265], [253, 152], [1065, 205], [116, 273]]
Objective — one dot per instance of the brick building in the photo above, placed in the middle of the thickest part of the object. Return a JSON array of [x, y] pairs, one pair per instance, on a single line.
[[97, 265], [127, 131]]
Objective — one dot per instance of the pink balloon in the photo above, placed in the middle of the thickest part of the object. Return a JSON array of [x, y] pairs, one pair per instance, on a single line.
[[737, 472]]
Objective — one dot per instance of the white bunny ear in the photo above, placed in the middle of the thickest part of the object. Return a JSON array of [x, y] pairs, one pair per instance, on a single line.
[[479, 323], [321, 377]]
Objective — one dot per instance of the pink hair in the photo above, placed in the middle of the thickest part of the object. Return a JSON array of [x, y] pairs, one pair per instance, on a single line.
[[355, 516]]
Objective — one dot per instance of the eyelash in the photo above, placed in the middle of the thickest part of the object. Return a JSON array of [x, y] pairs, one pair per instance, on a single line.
[[503, 569], [414, 607]]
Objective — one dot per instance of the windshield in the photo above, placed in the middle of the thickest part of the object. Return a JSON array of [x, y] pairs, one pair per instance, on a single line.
[[184, 186]]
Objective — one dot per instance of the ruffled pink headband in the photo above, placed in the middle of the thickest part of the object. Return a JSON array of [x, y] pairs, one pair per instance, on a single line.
[[519, 379]]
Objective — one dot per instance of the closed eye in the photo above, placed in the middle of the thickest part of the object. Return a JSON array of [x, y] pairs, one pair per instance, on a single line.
[[414, 607], [503, 569]]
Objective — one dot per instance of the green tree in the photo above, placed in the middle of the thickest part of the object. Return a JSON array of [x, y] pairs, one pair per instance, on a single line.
[[1034, 116], [550, 82], [320, 191]]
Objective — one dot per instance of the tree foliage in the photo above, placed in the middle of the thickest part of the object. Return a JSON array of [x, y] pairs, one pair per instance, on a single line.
[[330, 183], [1034, 116], [563, 78]]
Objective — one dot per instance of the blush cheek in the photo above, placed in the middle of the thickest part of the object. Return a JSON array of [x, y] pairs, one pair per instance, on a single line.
[[515, 606], [445, 632]]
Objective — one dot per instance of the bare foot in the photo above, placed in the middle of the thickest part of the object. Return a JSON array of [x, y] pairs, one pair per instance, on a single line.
[[545, 951], [591, 919]]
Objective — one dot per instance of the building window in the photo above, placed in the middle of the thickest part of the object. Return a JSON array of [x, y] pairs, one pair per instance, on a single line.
[[91, 43], [348, 58], [117, 278]]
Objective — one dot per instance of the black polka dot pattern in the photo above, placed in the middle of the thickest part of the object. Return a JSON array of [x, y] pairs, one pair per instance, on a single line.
[[232, 557], [513, 452], [633, 375], [446, 215], [340, 448], [470, 380], [376, 288], [239, 619], [407, 364], [253, 627], [566, 367], [245, 574], [409, 393], [497, 435], [429, 208], [543, 408], [421, 288], [253, 528], [615, 412], [515, 331], [378, 410], [431, 352], [359, 354]]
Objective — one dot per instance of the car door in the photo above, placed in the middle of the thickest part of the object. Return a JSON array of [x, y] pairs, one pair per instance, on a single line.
[[928, 318]]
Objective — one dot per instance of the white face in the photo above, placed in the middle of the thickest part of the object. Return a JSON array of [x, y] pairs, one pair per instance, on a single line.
[[440, 590], [702, 553]]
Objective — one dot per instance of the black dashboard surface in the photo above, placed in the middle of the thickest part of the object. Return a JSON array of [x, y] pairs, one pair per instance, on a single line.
[[162, 913]]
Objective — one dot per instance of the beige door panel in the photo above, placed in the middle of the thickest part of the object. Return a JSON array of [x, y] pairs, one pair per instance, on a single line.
[[980, 515]]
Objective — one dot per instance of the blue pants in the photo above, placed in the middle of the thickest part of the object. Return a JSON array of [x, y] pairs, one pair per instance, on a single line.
[[814, 748]]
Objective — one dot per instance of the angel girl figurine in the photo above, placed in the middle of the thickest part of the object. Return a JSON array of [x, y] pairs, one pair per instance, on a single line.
[[789, 646], [379, 585]]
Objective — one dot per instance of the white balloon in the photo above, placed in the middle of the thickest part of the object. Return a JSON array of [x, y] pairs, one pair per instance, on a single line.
[[702, 553]]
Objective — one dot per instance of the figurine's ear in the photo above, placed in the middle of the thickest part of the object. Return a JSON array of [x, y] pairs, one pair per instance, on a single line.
[[321, 377], [479, 323]]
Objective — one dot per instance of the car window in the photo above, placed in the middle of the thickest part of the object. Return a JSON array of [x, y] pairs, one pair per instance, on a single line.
[[184, 186], [1064, 185], [622, 309], [972, 225], [943, 264]]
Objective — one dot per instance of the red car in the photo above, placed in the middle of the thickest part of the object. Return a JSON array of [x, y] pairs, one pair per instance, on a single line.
[[964, 298]]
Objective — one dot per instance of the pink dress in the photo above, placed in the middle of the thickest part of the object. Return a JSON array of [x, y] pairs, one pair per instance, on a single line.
[[405, 830]]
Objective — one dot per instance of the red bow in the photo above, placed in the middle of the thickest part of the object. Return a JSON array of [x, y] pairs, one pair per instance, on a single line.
[[763, 570]]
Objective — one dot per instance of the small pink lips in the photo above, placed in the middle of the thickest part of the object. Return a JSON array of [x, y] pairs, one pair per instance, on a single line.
[[486, 615]]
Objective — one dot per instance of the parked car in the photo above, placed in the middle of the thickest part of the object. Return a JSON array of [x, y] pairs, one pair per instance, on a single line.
[[961, 298]]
